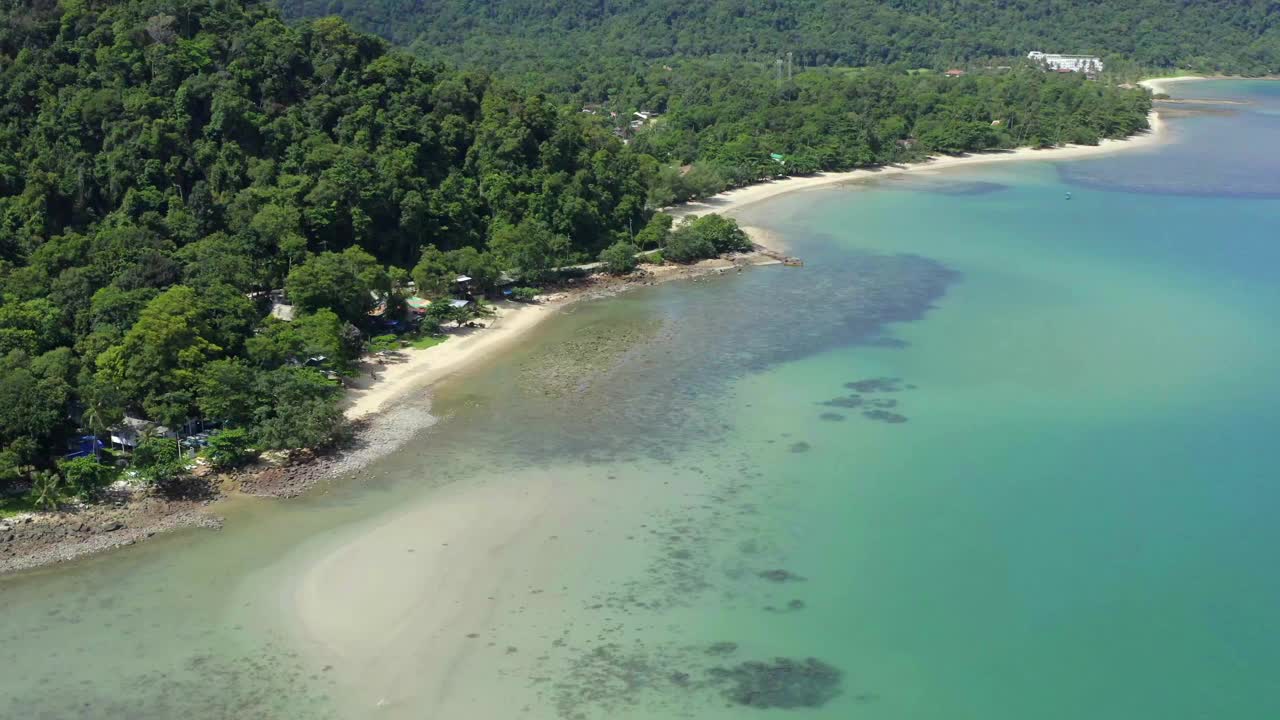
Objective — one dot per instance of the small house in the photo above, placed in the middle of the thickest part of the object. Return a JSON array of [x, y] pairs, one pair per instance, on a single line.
[[280, 307], [131, 429]]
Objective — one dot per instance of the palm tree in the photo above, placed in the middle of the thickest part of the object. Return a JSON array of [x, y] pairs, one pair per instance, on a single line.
[[46, 489], [103, 409], [145, 433], [94, 418]]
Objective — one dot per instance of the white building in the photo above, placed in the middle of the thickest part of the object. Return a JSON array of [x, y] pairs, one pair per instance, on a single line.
[[1067, 63]]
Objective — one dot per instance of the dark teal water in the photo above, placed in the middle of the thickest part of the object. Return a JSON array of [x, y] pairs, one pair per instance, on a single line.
[[1073, 517]]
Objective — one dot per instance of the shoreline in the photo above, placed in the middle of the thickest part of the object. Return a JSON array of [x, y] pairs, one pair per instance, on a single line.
[[381, 413], [413, 368], [380, 410], [419, 370], [1157, 85], [737, 199]]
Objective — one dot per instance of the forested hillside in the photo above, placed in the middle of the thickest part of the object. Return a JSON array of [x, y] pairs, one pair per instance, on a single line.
[[163, 162], [729, 127], [1236, 36], [166, 164]]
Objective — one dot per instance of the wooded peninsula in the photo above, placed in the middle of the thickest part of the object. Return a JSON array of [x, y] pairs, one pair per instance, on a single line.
[[173, 173]]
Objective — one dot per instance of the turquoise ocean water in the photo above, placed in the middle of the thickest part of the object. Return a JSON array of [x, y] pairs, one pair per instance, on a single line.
[[1061, 503]]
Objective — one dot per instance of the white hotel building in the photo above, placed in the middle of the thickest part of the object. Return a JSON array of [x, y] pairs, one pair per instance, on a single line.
[[1067, 63]]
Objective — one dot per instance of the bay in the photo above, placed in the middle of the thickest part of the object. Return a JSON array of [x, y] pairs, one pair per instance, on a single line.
[[992, 453]]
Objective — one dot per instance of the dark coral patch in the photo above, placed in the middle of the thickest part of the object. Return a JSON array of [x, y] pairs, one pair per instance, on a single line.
[[783, 683], [873, 385], [885, 416], [850, 401], [779, 575]]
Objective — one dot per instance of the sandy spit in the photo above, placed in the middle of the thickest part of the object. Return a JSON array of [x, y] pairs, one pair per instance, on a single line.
[[1160, 85]]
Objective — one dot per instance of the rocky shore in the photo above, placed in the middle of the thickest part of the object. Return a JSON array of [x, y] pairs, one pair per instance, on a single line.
[[47, 538], [126, 517], [370, 439]]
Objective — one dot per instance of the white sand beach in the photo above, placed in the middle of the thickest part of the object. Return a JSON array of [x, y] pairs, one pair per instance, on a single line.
[[425, 367], [413, 370], [1161, 85], [734, 200]]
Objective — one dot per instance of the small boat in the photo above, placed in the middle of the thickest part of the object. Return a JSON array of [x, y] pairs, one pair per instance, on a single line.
[[1068, 196]]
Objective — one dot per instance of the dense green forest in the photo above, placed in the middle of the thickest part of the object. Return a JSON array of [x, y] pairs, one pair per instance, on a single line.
[[1234, 36], [165, 165], [730, 127]]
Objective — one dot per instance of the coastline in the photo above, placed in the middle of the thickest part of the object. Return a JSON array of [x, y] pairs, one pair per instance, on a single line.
[[418, 370], [378, 410], [381, 418], [731, 201], [1158, 85]]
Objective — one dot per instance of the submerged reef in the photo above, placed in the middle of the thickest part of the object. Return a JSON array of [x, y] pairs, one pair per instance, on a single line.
[[722, 648], [851, 401], [779, 575], [874, 385], [793, 606], [877, 407], [676, 680], [783, 683]]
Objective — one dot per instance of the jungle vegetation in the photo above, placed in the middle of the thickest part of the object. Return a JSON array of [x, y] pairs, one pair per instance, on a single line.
[[168, 167]]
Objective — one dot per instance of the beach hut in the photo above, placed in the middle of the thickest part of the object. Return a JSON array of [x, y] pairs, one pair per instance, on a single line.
[[464, 283], [132, 429]]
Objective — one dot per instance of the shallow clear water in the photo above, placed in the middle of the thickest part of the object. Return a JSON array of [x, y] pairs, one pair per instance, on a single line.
[[1074, 519]]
